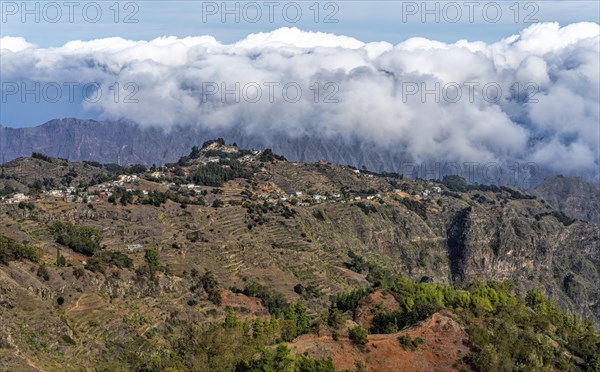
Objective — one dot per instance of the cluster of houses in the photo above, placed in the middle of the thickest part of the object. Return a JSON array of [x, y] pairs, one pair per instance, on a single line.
[[106, 189], [305, 201], [359, 174], [103, 190], [15, 199], [434, 189]]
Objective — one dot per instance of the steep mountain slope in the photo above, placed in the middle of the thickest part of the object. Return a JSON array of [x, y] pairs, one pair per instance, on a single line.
[[253, 220], [576, 197]]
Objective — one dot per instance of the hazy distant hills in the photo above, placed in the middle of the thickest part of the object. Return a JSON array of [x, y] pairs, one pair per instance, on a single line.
[[574, 196], [127, 143]]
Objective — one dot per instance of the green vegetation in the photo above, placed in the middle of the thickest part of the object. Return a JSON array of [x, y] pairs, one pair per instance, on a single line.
[[415, 206], [228, 346], [349, 301], [367, 208], [295, 321], [102, 260], [81, 239], [42, 272], [7, 191], [209, 283], [38, 155], [319, 214], [280, 359], [60, 259], [267, 156], [358, 335], [357, 263], [459, 184], [408, 343], [273, 301], [155, 198], [11, 250], [506, 331], [216, 174]]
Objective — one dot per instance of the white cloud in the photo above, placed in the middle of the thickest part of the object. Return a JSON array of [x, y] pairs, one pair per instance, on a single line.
[[14, 44], [370, 81]]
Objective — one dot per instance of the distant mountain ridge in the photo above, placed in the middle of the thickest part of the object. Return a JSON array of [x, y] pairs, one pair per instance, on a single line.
[[574, 196], [129, 143], [126, 143]]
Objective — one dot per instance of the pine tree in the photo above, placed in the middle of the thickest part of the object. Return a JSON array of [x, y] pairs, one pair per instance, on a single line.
[[302, 321], [272, 328], [258, 328], [230, 319], [60, 259], [245, 328]]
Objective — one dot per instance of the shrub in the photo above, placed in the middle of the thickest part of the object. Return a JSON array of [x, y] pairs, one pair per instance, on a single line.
[[366, 208], [78, 272], [455, 183], [319, 215], [357, 263], [105, 259], [267, 156], [43, 273], [358, 335], [211, 287], [407, 343]]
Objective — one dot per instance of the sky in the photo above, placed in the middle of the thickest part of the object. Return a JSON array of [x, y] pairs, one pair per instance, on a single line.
[[492, 81], [52, 24], [392, 21]]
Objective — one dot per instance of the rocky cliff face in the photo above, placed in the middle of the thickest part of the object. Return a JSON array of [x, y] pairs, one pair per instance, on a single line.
[[576, 197]]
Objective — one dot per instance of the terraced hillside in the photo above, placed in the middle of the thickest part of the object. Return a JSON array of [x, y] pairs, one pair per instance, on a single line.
[[306, 231]]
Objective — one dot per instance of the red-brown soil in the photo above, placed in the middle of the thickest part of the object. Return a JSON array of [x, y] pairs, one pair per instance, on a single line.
[[443, 349], [365, 310]]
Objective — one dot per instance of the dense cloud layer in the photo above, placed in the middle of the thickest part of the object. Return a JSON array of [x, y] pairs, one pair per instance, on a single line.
[[374, 91]]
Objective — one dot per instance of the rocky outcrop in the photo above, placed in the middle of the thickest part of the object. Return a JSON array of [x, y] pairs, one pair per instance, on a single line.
[[574, 196]]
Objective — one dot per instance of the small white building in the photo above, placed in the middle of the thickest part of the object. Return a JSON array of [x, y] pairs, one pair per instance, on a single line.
[[134, 247]]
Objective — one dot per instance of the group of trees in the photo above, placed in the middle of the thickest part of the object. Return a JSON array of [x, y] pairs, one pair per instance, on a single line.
[[286, 327], [506, 331], [209, 283], [216, 174], [275, 302], [11, 250], [81, 239], [104, 259]]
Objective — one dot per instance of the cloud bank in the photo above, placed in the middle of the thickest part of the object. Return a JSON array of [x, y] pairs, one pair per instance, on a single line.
[[532, 97]]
